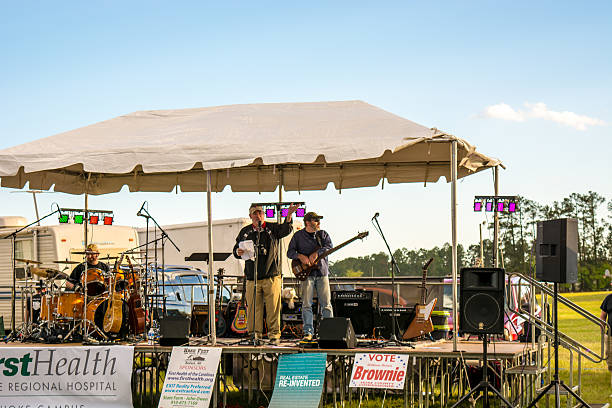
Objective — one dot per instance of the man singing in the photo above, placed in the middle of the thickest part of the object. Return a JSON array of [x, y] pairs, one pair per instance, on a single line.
[[265, 237]]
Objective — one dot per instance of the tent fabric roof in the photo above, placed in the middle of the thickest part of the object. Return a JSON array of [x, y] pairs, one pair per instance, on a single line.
[[248, 147]]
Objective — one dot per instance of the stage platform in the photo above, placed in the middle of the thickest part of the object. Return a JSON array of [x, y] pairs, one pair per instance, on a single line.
[[435, 375]]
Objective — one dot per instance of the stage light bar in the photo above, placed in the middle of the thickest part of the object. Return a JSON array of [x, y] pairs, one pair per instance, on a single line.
[[63, 219], [108, 220], [93, 220], [78, 218], [495, 203]]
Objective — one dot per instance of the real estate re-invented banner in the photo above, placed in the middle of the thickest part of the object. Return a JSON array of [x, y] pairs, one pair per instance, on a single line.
[[299, 380], [190, 377], [379, 370], [84, 377]]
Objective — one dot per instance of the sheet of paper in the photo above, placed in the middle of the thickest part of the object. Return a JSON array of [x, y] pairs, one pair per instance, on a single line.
[[249, 249]]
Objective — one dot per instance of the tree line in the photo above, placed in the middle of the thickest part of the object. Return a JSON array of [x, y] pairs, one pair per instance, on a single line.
[[517, 235]]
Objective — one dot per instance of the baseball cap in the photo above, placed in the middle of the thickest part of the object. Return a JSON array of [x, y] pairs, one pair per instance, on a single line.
[[254, 208], [92, 249], [312, 216]]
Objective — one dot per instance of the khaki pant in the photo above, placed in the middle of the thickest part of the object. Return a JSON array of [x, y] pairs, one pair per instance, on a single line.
[[268, 293]]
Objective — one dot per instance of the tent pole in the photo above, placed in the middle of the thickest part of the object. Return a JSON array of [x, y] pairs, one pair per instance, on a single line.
[[496, 219], [212, 327], [278, 219], [454, 237]]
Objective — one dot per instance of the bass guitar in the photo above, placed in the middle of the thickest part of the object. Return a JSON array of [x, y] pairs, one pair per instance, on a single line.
[[136, 313], [113, 316], [421, 324], [239, 322], [301, 271]]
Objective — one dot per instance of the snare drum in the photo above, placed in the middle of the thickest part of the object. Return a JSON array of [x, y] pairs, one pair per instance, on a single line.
[[95, 281]]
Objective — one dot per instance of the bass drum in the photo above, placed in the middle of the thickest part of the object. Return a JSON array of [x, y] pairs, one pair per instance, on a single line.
[[95, 313]]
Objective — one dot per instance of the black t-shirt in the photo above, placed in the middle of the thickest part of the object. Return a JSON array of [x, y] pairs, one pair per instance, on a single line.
[[606, 306], [75, 276]]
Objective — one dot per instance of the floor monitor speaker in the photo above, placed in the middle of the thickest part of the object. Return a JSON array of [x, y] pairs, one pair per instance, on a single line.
[[336, 332], [557, 251], [481, 306], [174, 330]]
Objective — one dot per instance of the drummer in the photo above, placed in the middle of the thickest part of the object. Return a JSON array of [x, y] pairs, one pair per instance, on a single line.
[[92, 255]]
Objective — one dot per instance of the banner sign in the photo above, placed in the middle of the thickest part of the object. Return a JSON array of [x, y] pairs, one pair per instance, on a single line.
[[190, 377], [83, 377], [299, 380], [378, 370]]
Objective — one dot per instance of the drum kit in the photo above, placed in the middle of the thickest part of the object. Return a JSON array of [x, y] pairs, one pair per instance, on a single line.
[[105, 306]]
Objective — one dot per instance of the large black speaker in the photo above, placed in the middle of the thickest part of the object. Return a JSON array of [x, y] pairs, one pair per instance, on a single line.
[[357, 305], [337, 333], [174, 330], [557, 251], [481, 306]]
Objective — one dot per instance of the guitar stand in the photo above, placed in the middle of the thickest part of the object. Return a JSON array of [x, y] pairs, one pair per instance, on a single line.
[[484, 385]]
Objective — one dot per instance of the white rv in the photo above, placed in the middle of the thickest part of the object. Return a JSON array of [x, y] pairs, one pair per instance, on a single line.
[[51, 243], [193, 238]]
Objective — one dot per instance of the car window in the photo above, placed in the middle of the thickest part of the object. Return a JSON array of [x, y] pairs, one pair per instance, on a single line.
[[198, 289]]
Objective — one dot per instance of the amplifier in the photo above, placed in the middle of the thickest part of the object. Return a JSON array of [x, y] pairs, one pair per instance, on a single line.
[[357, 306], [382, 320]]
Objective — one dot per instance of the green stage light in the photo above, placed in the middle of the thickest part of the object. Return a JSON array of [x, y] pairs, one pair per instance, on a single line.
[[78, 219], [63, 219]]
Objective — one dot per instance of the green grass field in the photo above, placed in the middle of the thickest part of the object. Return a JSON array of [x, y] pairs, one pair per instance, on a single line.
[[595, 376]]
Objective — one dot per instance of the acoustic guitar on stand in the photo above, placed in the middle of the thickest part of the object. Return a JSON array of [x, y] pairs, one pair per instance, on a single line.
[[421, 324], [301, 271]]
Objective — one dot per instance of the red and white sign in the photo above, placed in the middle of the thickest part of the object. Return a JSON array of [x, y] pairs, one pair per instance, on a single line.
[[378, 370]]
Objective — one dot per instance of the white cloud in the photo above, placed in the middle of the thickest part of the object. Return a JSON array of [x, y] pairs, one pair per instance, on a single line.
[[505, 112], [540, 111]]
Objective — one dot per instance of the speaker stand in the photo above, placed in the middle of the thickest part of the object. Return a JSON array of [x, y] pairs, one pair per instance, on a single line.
[[556, 383], [484, 385]]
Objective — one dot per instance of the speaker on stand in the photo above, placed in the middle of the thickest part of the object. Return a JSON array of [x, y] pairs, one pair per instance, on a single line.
[[481, 312], [557, 262]]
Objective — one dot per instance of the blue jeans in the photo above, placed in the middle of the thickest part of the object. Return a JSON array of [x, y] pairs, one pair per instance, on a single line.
[[321, 285]]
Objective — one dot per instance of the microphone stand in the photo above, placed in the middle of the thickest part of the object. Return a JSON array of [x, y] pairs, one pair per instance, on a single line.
[[255, 341], [163, 237], [13, 236], [393, 340]]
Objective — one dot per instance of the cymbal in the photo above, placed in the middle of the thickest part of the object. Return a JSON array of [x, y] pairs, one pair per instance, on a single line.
[[83, 252], [27, 282], [67, 262], [28, 261], [49, 273]]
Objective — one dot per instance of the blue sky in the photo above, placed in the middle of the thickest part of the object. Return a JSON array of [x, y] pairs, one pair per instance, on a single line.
[[479, 70]]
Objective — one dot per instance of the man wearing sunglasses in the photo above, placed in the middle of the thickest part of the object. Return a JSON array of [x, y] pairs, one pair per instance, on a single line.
[[307, 245]]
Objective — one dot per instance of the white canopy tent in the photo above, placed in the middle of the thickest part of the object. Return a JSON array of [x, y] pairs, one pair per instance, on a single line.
[[257, 147]]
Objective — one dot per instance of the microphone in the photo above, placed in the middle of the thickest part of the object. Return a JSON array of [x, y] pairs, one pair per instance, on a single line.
[[375, 215], [139, 213]]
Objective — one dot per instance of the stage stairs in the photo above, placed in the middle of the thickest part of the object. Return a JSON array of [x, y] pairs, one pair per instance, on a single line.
[[540, 370]]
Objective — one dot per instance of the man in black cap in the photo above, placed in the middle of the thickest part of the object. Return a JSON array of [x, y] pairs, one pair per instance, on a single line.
[[307, 245], [269, 280]]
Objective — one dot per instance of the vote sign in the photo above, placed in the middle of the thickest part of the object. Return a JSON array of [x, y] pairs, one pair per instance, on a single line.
[[379, 370]]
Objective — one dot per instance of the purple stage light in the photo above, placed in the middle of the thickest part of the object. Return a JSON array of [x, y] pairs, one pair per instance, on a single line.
[[284, 212], [511, 207], [500, 206], [300, 212], [270, 212], [489, 206], [477, 206]]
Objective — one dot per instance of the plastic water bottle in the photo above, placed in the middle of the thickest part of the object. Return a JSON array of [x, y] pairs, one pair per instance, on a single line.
[[151, 336]]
